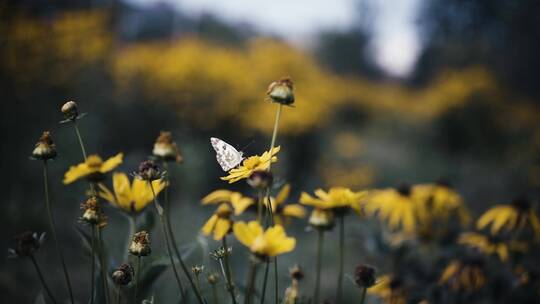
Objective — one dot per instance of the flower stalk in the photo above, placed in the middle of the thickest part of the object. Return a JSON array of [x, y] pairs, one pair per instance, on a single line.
[[341, 257], [226, 269], [320, 244], [138, 274], [252, 276], [42, 279]]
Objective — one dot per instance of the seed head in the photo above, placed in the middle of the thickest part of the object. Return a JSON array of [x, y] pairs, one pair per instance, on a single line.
[[92, 211], [197, 269], [220, 253], [165, 148], [281, 91], [70, 110], [261, 179], [45, 148], [123, 275], [148, 171], [26, 244], [364, 276], [140, 244]]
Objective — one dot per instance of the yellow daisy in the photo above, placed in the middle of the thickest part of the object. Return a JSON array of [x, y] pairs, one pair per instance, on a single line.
[[130, 197], [219, 224], [239, 202], [512, 217], [284, 212], [441, 202], [252, 164], [490, 246], [389, 289], [464, 275], [337, 198], [269, 243], [94, 167]]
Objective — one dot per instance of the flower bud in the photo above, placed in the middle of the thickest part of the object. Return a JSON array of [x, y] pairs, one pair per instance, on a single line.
[[123, 275], [364, 276], [221, 252], [27, 243], [197, 269], [165, 148], [322, 219], [70, 110], [140, 244], [92, 212], [45, 148], [261, 179], [281, 91], [212, 278], [148, 171]]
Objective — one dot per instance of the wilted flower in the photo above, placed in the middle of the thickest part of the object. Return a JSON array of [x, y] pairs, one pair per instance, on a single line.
[[364, 276], [283, 212], [165, 148], [261, 179], [465, 275], [322, 219], [92, 211], [492, 245], [123, 275], [27, 243], [149, 171], [252, 164], [239, 202], [339, 199], [281, 91], [93, 168], [140, 244], [132, 197], [262, 243], [197, 269], [219, 223], [221, 252], [45, 148], [292, 293], [70, 110], [513, 217]]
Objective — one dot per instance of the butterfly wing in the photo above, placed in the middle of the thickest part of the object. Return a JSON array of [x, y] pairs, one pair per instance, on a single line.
[[227, 156]]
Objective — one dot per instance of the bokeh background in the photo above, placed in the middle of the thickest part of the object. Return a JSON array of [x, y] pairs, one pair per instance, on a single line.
[[387, 92]]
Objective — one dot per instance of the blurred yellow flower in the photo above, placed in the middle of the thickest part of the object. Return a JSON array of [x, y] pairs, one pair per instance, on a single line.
[[336, 198], [130, 197], [464, 276], [283, 212], [441, 202], [93, 167], [239, 202], [262, 243], [512, 217], [490, 246], [389, 289], [219, 223], [252, 164]]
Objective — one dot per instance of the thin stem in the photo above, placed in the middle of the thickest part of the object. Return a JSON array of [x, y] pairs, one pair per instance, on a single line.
[[341, 257], [132, 229], [320, 242], [275, 131], [93, 267], [103, 267], [79, 137], [252, 276], [266, 268], [53, 231], [215, 294], [138, 274], [260, 207], [227, 271], [363, 297], [167, 240], [118, 295], [42, 279]]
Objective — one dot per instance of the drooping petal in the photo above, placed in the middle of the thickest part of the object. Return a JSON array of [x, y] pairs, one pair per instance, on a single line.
[[209, 225], [221, 229], [76, 172], [216, 197], [294, 210], [283, 194], [240, 203], [111, 163], [246, 233], [106, 194]]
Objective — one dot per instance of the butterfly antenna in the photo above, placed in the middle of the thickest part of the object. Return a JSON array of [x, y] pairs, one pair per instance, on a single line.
[[246, 146]]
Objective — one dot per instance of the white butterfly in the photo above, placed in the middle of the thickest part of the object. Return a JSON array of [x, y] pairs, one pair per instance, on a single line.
[[227, 156]]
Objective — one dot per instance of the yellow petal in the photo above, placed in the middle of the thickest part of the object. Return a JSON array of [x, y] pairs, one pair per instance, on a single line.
[[283, 194], [240, 203], [106, 194], [246, 233], [216, 197], [294, 210], [76, 172], [122, 189], [209, 225], [307, 199], [111, 163], [221, 228]]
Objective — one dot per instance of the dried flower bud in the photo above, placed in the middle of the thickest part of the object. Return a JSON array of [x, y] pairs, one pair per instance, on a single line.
[[364, 276], [281, 91], [45, 148], [212, 278], [261, 179], [140, 244], [220, 253], [149, 171], [165, 148], [197, 269], [70, 110], [123, 275], [27, 243], [296, 273], [322, 219], [92, 211]]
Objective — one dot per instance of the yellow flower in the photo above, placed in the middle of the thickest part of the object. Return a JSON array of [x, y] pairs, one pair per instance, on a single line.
[[335, 198], [94, 166], [283, 212], [389, 289], [219, 223], [464, 275], [267, 243], [512, 217], [490, 246], [239, 202], [252, 164], [132, 197], [397, 207], [441, 202]]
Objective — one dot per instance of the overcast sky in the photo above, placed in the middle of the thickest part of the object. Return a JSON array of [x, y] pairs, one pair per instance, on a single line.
[[395, 44]]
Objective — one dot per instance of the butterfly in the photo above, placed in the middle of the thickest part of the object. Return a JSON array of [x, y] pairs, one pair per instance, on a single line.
[[227, 156]]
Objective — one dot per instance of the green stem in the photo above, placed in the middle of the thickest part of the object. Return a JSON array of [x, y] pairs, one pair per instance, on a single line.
[[266, 268], [118, 295], [260, 202], [320, 243], [79, 137], [102, 262], [42, 279], [215, 294], [53, 231], [252, 276], [227, 271], [167, 240], [275, 131], [363, 297], [341, 257], [93, 267], [138, 274]]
